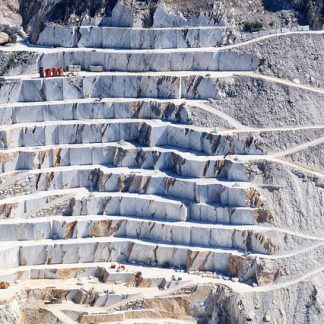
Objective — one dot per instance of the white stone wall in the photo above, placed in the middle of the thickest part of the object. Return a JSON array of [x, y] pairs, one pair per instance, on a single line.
[[194, 234], [147, 133], [158, 61], [139, 38], [92, 109]]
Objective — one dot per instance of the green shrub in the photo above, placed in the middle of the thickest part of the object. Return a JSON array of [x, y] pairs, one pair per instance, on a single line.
[[253, 26]]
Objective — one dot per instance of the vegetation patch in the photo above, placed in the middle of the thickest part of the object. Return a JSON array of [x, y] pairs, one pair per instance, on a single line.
[[253, 26], [13, 60]]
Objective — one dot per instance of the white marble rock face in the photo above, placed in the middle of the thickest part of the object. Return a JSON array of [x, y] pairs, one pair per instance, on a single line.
[[192, 234], [139, 38], [112, 86], [67, 252], [100, 174], [165, 61], [147, 133], [120, 249], [119, 156], [117, 180]]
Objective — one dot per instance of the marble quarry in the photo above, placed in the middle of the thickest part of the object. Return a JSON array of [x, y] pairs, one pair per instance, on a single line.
[[108, 166]]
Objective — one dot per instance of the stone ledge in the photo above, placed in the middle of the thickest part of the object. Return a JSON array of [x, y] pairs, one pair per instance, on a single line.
[[194, 85], [81, 202], [145, 132], [141, 38], [247, 238], [141, 181], [165, 61], [182, 163], [100, 109], [120, 249], [95, 203]]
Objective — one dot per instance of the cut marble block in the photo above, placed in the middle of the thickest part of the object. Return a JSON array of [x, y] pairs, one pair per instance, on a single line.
[[26, 231], [9, 256], [58, 36], [217, 214]]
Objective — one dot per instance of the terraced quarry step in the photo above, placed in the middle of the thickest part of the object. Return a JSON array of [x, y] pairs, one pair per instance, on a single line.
[[122, 249], [79, 201], [185, 163], [97, 203], [255, 238], [163, 85], [142, 60], [105, 179], [112, 60], [144, 132], [113, 249], [118, 37], [169, 110], [102, 271]]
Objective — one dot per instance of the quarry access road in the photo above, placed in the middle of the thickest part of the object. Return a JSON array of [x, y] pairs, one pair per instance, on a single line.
[[284, 82], [287, 283], [298, 166], [231, 121], [270, 158], [239, 127], [277, 129], [300, 147], [149, 272], [265, 37], [56, 310]]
